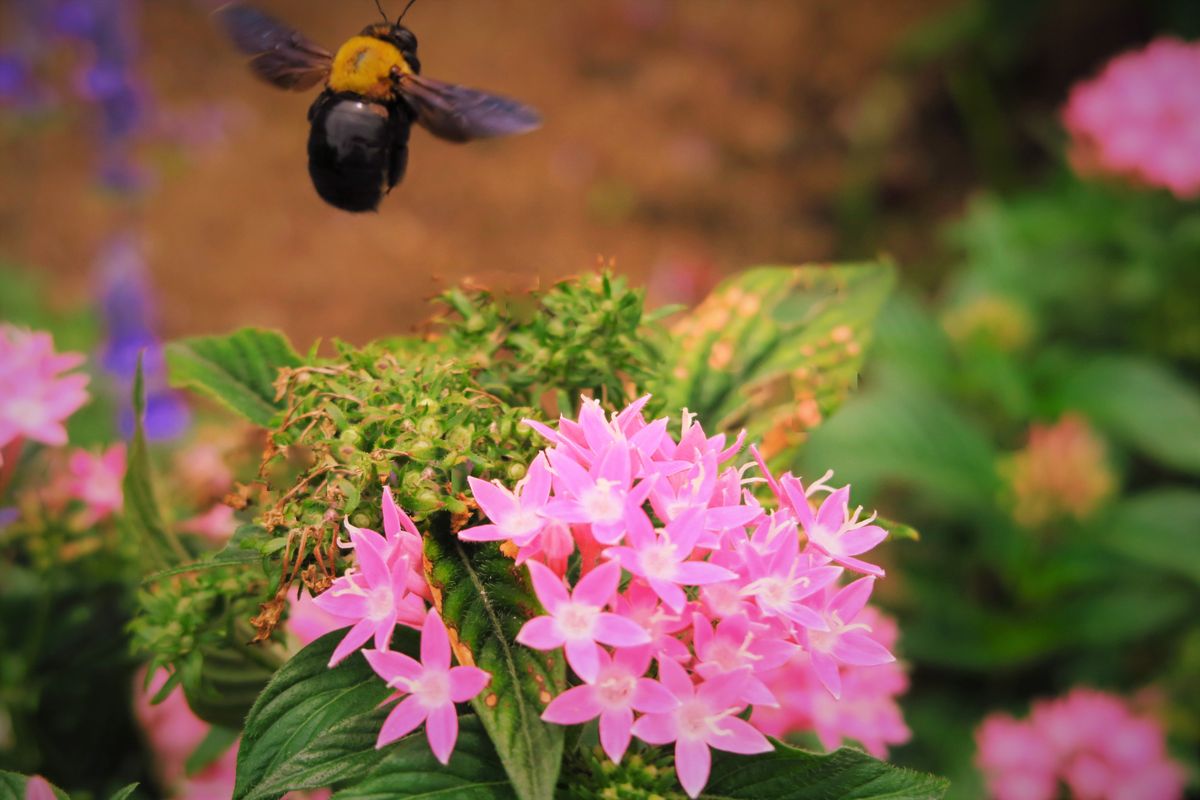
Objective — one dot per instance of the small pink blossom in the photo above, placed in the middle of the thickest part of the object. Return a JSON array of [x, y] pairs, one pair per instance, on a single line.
[[833, 530], [705, 717], [1093, 742], [35, 398], [432, 686], [577, 622], [96, 480], [517, 514], [1140, 117], [846, 640], [617, 690], [38, 788]]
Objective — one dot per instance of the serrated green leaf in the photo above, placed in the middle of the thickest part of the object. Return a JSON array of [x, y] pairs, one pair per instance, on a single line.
[[409, 769], [12, 787], [485, 599], [303, 703], [775, 350], [1140, 403], [790, 773], [237, 370], [1159, 528]]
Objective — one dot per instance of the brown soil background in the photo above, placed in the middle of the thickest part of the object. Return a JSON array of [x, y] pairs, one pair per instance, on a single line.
[[683, 140]]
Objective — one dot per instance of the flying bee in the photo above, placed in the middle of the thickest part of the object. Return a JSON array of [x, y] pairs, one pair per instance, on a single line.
[[374, 92]]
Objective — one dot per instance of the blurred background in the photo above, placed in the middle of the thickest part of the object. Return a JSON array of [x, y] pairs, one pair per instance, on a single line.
[[1031, 404]]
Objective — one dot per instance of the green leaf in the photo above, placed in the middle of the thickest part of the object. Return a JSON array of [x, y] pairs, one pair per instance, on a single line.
[[298, 729], [777, 349], [789, 773], [125, 793], [1160, 528], [1140, 403], [213, 746], [237, 370], [409, 769], [485, 599], [142, 517], [12, 787]]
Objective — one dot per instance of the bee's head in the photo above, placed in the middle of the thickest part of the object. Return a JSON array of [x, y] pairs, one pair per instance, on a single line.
[[394, 32]]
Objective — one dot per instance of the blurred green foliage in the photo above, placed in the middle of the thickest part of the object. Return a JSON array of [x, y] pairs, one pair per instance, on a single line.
[[1058, 364]]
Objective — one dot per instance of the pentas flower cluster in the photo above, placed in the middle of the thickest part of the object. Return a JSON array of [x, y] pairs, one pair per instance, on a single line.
[[680, 566], [35, 397], [387, 587], [1140, 117], [1092, 742]]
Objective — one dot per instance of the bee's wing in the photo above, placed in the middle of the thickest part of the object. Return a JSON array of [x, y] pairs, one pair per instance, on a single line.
[[280, 55], [459, 114]]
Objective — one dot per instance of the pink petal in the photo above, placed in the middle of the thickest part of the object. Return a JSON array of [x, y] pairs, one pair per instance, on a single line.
[[651, 697], [548, 586], [435, 643], [442, 731], [670, 593], [537, 486], [725, 517], [827, 672], [38, 788], [693, 760], [541, 633], [349, 606], [384, 629], [860, 650], [496, 503], [483, 533], [370, 550], [700, 573], [738, 736], [615, 732], [860, 566], [675, 679], [618, 631], [583, 657], [466, 682], [598, 586], [832, 514], [656, 728], [860, 540], [391, 665], [725, 690], [574, 706], [685, 529], [353, 640], [851, 599], [402, 721]]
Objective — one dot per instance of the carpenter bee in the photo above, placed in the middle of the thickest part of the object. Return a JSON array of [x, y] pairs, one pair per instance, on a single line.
[[374, 92]]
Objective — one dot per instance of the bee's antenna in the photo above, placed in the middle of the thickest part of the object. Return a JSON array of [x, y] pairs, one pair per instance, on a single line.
[[405, 11], [381, 11]]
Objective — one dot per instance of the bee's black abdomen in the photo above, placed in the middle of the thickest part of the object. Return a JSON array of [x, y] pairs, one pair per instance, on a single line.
[[351, 148]]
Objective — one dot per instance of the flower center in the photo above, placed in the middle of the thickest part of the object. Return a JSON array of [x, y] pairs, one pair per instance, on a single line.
[[522, 522], [695, 720], [658, 561], [577, 620], [380, 602], [24, 410], [615, 689], [601, 503], [432, 689]]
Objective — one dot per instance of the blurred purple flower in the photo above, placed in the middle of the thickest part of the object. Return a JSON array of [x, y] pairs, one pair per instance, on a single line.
[[127, 309]]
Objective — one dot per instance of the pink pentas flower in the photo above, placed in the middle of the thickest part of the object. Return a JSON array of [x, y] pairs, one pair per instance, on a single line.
[[373, 598], [664, 561], [96, 481], [516, 515], [618, 689], [602, 497], [833, 529], [35, 398], [845, 640], [1093, 742], [641, 604], [739, 645], [432, 687], [705, 717], [577, 621], [1140, 118]]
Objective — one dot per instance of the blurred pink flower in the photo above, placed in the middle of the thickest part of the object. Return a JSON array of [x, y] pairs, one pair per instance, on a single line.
[[308, 622], [217, 524], [38, 788], [96, 480], [432, 686], [34, 397], [1140, 117], [1063, 471], [1091, 741]]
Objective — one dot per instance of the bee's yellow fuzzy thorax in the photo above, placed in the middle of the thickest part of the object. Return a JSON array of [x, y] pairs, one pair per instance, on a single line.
[[363, 65]]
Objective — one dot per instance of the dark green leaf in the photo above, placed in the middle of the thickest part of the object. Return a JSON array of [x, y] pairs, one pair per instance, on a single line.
[[1140, 403], [777, 349], [485, 598], [237, 370], [409, 769], [789, 773], [1160, 528], [305, 718], [213, 746]]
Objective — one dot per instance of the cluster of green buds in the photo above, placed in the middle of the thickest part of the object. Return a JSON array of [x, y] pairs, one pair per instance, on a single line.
[[648, 774]]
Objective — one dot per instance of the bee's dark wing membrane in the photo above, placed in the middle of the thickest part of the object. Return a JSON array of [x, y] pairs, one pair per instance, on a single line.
[[459, 114], [281, 56]]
